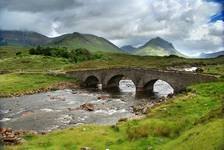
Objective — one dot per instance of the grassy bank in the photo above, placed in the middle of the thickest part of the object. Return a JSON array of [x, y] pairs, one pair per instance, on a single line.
[[207, 136], [187, 122], [217, 70], [12, 51], [33, 63], [19, 84]]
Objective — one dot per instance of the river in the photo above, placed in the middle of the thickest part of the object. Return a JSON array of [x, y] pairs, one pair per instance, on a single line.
[[52, 110]]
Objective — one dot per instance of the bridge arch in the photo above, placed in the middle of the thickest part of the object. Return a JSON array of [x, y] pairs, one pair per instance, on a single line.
[[114, 80], [91, 81], [149, 87]]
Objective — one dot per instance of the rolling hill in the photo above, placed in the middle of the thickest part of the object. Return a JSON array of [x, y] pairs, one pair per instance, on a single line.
[[91, 42], [154, 47], [75, 40], [22, 38], [157, 47]]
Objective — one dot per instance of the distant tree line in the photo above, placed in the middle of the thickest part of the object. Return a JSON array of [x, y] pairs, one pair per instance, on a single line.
[[74, 55]]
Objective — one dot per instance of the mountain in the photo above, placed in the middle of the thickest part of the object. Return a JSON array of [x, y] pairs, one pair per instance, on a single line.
[[22, 38], [75, 40], [157, 47], [211, 55], [128, 48], [91, 42]]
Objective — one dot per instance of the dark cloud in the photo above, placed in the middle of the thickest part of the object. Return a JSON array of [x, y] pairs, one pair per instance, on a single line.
[[183, 22], [39, 5]]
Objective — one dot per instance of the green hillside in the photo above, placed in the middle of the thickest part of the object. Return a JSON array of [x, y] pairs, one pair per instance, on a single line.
[[157, 47], [73, 41], [11, 51], [22, 38], [90, 42], [151, 51]]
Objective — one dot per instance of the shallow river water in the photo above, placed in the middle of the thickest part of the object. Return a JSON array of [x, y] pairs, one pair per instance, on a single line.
[[59, 109]]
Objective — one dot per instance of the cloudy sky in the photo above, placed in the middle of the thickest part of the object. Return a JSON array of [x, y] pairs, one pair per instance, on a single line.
[[193, 26]]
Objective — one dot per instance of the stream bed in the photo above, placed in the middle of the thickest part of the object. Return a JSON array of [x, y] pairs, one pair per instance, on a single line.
[[44, 112]]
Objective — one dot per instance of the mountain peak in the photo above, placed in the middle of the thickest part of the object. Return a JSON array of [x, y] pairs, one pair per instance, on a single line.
[[89, 41], [71, 40], [158, 47], [128, 48], [158, 38], [158, 41], [76, 33]]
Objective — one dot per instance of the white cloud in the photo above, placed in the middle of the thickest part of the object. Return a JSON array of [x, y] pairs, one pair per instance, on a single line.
[[183, 22]]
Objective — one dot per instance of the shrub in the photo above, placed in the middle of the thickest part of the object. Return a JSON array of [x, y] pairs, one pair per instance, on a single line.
[[75, 55], [120, 141], [173, 56], [137, 132], [162, 131], [18, 53], [167, 128], [115, 128], [79, 55]]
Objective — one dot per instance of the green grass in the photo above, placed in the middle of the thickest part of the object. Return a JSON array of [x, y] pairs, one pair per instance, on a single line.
[[27, 62], [185, 120], [33, 63], [13, 84], [206, 137], [122, 60], [215, 69], [194, 117], [10, 51]]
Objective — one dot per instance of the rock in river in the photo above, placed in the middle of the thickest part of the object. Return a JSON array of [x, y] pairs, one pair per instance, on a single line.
[[7, 136], [87, 107], [103, 97], [142, 109]]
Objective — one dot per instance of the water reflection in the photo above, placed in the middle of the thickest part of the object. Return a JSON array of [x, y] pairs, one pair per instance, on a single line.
[[160, 89], [127, 86]]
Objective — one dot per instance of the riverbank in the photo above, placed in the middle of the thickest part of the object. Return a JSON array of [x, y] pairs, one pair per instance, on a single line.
[[189, 121], [18, 84]]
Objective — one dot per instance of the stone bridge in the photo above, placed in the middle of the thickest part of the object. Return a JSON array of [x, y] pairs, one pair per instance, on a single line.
[[143, 79]]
